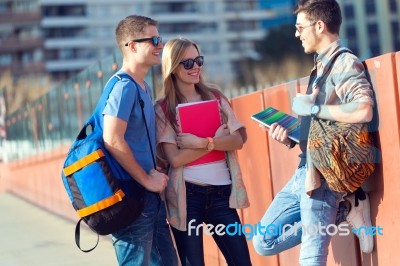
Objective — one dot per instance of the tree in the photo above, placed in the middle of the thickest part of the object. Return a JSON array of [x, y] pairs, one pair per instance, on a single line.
[[280, 43], [283, 58]]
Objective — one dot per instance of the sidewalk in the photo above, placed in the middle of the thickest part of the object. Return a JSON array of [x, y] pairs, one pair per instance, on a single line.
[[30, 236]]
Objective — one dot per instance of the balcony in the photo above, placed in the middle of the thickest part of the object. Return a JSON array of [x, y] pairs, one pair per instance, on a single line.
[[20, 18], [19, 69], [15, 44]]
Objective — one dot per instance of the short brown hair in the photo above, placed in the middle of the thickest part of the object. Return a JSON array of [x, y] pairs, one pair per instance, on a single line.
[[132, 27], [327, 11]]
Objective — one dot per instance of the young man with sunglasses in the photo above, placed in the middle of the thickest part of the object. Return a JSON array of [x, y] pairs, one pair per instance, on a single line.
[[147, 241], [345, 95], [206, 193]]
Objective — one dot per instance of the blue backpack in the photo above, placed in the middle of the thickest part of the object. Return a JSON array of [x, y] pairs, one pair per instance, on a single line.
[[103, 194]]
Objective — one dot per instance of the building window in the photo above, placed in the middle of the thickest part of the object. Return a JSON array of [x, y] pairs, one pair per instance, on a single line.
[[64, 11], [349, 11], [5, 59], [183, 28], [174, 7], [351, 32], [22, 6], [65, 32], [395, 34], [241, 5], [372, 31], [354, 49], [241, 25], [375, 49], [209, 47], [393, 6], [370, 8], [397, 45], [395, 28], [373, 38], [5, 7]]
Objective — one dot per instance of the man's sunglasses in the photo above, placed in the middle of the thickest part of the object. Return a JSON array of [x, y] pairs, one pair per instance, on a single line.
[[189, 63], [155, 40]]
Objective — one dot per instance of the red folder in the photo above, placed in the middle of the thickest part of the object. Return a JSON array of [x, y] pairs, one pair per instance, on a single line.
[[201, 119]]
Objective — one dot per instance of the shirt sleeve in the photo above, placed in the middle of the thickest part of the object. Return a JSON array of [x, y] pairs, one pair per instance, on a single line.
[[351, 83], [121, 100]]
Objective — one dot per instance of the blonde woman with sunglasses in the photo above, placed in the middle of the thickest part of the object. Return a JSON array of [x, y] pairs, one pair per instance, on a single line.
[[204, 193]]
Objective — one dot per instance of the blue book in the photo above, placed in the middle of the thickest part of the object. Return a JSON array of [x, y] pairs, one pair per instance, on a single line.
[[270, 115]]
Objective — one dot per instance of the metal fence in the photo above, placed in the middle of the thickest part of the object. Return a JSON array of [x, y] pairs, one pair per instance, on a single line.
[[56, 118]]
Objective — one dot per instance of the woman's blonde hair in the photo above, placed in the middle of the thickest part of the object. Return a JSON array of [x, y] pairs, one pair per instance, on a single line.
[[173, 53]]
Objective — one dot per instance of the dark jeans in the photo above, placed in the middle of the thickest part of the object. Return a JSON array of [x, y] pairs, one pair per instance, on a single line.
[[210, 204]]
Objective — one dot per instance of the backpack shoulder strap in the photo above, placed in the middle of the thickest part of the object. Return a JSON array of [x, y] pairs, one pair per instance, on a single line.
[[334, 57], [327, 70]]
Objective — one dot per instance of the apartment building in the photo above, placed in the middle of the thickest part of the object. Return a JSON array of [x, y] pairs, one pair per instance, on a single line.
[[371, 27], [21, 44], [79, 32], [63, 37]]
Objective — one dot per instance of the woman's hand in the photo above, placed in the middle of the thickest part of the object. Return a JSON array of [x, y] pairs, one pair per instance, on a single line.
[[190, 141]]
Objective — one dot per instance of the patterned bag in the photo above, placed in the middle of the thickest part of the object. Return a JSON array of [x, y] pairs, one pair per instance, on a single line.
[[343, 153]]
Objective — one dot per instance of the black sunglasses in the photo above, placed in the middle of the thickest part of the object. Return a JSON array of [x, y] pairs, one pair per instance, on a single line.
[[189, 63], [155, 40]]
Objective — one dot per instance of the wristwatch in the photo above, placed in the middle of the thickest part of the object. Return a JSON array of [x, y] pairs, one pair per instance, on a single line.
[[210, 145], [315, 109]]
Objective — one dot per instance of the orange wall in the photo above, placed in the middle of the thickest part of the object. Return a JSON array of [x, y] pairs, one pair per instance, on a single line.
[[266, 167]]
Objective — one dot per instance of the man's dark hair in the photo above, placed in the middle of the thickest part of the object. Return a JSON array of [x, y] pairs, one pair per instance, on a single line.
[[327, 11]]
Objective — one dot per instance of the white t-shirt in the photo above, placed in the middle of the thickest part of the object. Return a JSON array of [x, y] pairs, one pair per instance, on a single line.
[[211, 174]]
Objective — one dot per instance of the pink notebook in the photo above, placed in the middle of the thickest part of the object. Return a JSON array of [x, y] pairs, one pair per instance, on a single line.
[[201, 119]]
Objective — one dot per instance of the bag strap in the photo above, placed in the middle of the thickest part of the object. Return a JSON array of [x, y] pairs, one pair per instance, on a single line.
[[78, 237], [141, 102], [326, 71]]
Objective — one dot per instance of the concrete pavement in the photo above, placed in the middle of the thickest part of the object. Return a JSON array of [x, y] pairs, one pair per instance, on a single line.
[[30, 236]]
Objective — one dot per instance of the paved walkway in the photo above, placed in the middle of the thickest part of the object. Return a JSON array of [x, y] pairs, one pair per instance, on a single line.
[[30, 236]]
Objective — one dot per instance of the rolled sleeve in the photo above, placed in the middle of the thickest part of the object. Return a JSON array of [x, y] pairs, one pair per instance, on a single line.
[[351, 81], [233, 123], [121, 100]]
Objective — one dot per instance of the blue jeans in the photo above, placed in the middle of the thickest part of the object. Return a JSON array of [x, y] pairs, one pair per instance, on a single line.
[[293, 218], [210, 204], [147, 241]]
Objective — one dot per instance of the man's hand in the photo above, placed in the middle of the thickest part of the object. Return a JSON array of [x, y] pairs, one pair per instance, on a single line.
[[302, 103], [279, 134], [157, 181]]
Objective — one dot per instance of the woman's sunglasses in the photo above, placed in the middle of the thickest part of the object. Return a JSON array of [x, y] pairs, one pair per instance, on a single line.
[[189, 63], [155, 40]]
